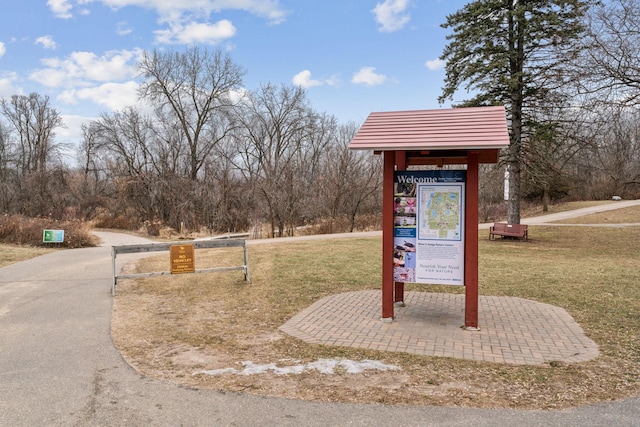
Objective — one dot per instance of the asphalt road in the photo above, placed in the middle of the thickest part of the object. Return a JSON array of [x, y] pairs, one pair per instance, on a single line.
[[59, 367]]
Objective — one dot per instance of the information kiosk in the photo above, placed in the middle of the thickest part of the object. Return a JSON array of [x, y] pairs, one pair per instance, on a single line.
[[430, 217]]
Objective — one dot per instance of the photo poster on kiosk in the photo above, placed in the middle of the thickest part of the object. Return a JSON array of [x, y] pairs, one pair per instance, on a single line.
[[429, 227]]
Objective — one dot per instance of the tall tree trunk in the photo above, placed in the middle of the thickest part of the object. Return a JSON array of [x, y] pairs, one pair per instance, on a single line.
[[545, 199], [514, 163]]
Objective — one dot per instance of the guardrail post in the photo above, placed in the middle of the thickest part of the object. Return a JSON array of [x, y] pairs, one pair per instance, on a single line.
[[246, 263], [113, 270]]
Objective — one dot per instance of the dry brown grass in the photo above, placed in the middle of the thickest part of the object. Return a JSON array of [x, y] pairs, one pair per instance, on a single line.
[[10, 254], [174, 326]]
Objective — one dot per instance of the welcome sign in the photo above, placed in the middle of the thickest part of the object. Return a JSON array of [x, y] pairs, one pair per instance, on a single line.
[[429, 227]]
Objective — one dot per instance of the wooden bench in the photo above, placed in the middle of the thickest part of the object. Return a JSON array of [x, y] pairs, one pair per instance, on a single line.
[[520, 231]]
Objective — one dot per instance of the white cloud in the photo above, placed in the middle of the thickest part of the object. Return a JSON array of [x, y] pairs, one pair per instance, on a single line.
[[47, 42], [81, 68], [303, 78], [123, 28], [196, 33], [434, 64], [390, 15], [7, 87], [269, 9], [168, 10], [238, 95], [369, 77], [333, 80], [115, 96], [60, 8], [73, 126], [3, 49]]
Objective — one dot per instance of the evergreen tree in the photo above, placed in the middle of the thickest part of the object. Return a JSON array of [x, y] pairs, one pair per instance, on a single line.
[[507, 52]]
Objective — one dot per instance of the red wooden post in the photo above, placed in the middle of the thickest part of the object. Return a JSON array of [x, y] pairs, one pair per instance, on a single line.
[[471, 244], [387, 236]]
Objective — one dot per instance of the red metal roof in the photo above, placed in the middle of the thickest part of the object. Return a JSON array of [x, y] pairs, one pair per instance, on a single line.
[[473, 128]]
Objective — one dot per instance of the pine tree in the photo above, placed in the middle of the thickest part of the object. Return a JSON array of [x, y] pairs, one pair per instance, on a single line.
[[507, 52]]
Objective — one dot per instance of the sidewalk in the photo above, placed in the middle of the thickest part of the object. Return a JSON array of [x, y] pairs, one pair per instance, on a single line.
[[549, 219]]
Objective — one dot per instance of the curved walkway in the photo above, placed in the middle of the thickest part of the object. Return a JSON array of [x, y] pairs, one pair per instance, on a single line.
[[549, 219], [58, 367]]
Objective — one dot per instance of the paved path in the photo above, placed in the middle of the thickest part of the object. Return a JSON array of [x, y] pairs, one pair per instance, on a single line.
[[549, 219], [58, 367]]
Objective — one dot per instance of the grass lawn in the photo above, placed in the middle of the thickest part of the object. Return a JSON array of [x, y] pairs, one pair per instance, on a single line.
[[169, 327]]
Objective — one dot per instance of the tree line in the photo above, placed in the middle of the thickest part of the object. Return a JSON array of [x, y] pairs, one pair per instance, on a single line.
[[205, 152]]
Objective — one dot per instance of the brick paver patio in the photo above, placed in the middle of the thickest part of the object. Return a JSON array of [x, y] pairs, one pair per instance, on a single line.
[[512, 330]]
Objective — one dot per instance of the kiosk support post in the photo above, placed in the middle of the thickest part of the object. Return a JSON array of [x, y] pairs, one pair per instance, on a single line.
[[387, 236], [471, 244]]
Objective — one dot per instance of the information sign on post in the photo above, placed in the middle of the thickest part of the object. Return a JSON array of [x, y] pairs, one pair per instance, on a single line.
[[53, 236], [429, 227], [182, 259]]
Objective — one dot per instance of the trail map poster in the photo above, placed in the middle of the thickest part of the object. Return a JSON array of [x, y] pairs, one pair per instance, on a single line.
[[429, 227]]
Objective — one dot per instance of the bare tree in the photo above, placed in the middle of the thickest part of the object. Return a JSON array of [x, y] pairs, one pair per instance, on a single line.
[[34, 121], [276, 126], [38, 185], [609, 65], [195, 88], [127, 137], [554, 140], [5, 167], [349, 179], [606, 91], [615, 153]]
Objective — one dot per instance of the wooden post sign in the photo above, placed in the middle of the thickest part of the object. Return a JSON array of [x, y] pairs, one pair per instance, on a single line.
[[182, 259]]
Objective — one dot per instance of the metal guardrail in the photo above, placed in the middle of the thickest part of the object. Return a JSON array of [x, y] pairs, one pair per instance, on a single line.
[[217, 242]]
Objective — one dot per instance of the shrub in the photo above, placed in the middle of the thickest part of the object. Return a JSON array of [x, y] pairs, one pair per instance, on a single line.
[[20, 230]]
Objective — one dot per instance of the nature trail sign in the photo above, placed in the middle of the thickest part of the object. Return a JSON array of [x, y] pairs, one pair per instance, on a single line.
[[53, 236]]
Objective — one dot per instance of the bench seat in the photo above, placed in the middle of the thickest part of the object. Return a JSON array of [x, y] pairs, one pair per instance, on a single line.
[[520, 231]]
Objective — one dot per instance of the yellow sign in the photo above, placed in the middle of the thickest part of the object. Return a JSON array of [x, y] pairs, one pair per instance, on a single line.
[[183, 259]]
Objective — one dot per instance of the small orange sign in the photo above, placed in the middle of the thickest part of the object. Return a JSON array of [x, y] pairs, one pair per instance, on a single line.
[[183, 259]]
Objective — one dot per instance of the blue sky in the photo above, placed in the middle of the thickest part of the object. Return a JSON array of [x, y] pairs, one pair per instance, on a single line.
[[353, 57]]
